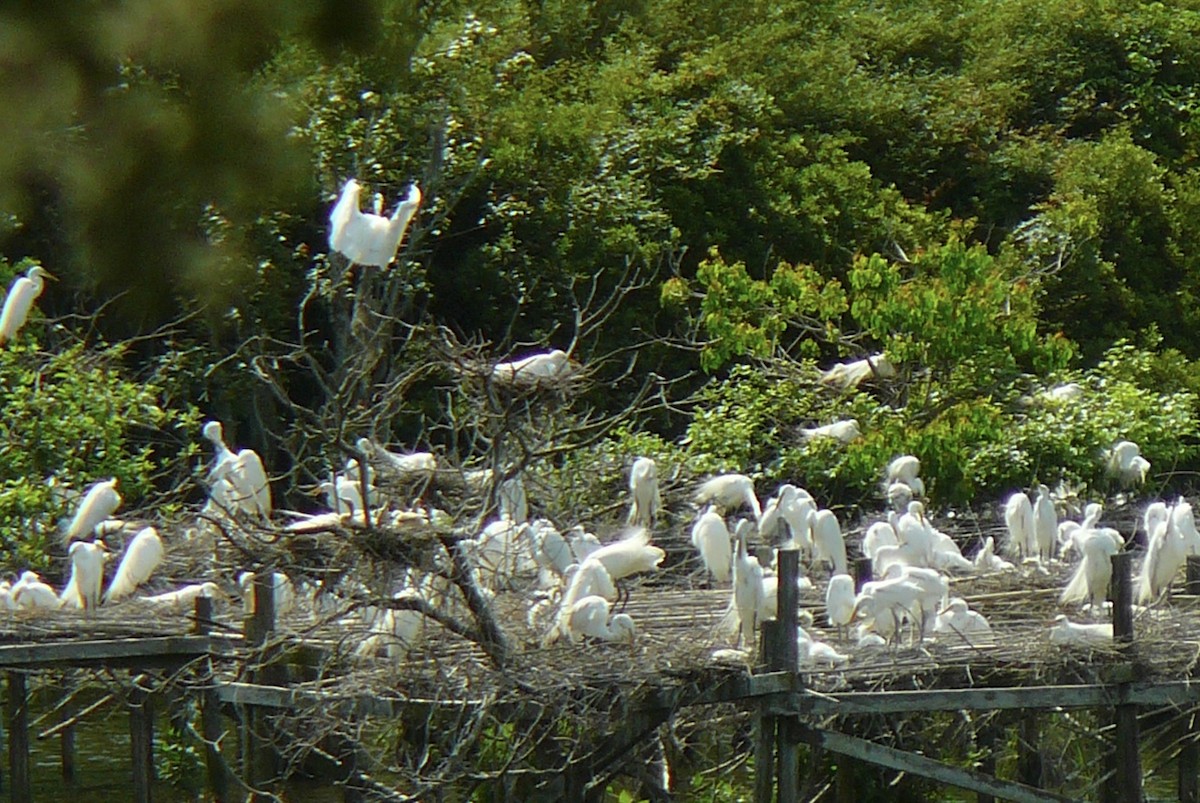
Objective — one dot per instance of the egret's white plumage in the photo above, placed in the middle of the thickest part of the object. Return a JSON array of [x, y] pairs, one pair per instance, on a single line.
[[29, 593], [87, 575], [1185, 523], [843, 431], [534, 369], [142, 555], [730, 491], [97, 505], [956, 620], [1066, 633], [828, 543], [512, 499], [711, 537], [224, 456], [839, 601], [879, 534], [811, 652], [283, 591], [986, 559], [21, 295], [1018, 518], [914, 531], [250, 479], [1165, 556], [365, 238], [630, 555], [402, 466], [588, 618], [747, 587], [1045, 524], [181, 598], [1089, 582], [851, 374], [643, 492], [1126, 464], [905, 470]]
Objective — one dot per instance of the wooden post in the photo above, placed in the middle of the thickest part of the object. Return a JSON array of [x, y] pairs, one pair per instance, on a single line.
[[1189, 760], [985, 746], [66, 712], [1029, 758], [141, 741], [1192, 583], [1126, 781], [862, 573], [787, 659], [260, 765], [210, 712], [764, 724], [21, 790], [1122, 597]]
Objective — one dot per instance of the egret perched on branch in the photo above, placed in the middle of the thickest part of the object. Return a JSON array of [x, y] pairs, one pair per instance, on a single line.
[[97, 505], [711, 537], [87, 574], [1125, 462], [365, 238], [142, 555], [843, 431], [225, 457], [643, 491], [21, 295], [730, 491], [250, 479], [534, 369], [402, 466], [850, 374], [512, 499]]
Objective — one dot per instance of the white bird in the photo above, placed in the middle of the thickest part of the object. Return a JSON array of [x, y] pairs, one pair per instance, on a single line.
[[986, 559], [711, 537], [747, 588], [643, 491], [811, 652], [588, 617], [1155, 514], [843, 431], [839, 602], [630, 555], [224, 456], [1089, 582], [402, 466], [586, 579], [21, 295], [282, 590], [851, 374], [1185, 523], [1045, 524], [1070, 532], [899, 494], [142, 555], [934, 591], [828, 543], [957, 620], [884, 606], [1126, 464], [1165, 555], [582, 542], [1066, 633], [512, 500], [880, 533], [29, 592], [183, 597], [502, 552], [914, 531], [365, 238], [250, 479], [97, 505], [730, 491], [1018, 517], [1066, 392], [550, 549], [947, 556], [536, 368], [87, 575], [906, 469]]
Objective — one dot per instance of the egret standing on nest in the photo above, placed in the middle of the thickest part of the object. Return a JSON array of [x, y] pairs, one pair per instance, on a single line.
[[747, 587], [711, 537], [1045, 524], [142, 555], [730, 491], [369, 239], [1018, 517], [643, 491], [87, 574], [21, 295]]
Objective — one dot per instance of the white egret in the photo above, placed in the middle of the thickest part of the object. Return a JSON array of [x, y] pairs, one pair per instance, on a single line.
[[906, 469], [502, 552], [772, 519], [546, 366], [365, 238], [711, 537], [142, 555], [730, 491], [87, 575], [811, 652], [914, 531], [1066, 392], [934, 590], [1018, 517], [632, 554], [582, 542], [282, 590], [947, 556], [1126, 464], [98, 504], [1089, 582], [643, 491], [224, 456], [250, 479], [587, 579], [747, 587], [512, 500], [839, 602], [1155, 514], [986, 559], [6, 601], [958, 620], [182, 598], [850, 374], [885, 605], [550, 549], [29, 592], [899, 494], [828, 543], [402, 466], [880, 533], [1066, 633], [21, 295], [1045, 524], [1185, 523], [589, 617], [843, 431], [1165, 555]]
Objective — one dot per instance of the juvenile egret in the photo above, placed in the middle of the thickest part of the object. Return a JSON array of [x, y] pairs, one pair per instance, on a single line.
[[899, 494], [1126, 464], [97, 505], [839, 602], [906, 469], [772, 520], [795, 505], [586, 579], [87, 574], [630, 555], [142, 555], [884, 606], [588, 617], [1089, 582], [843, 431], [711, 537], [747, 587], [828, 543], [1066, 633], [947, 556], [850, 374], [1165, 555], [365, 238], [986, 559], [29, 592], [643, 491], [730, 491], [956, 619], [402, 466], [934, 590], [1155, 514], [181, 598], [1045, 524], [914, 532], [550, 549], [282, 590], [250, 479], [534, 369], [1018, 517], [879, 534], [224, 456], [811, 652], [21, 295]]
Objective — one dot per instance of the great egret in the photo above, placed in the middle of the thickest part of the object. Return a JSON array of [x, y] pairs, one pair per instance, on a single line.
[[632, 554], [1126, 464], [29, 592], [401, 466], [1070, 532], [884, 606], [934, 590], [181, 598], [986, 559], [365, 238], [914, 532], [947, 556], [906, 469], [1045, 524], [589, 617], [1066, 633], [879, 534], [534, 369], [142, 555], [225, 457], [502, 552], [711, 537], [582, 542], [899, 494], [811, 652], [250, 479], [586, 579], [843, 431], [97, 505], [1185, 523], [730, 491], [282, 590], [747, 587], [643, 492], [550, 549], [828, 543], [956, 619], [1089, 582], [512, 500], [1018, 517], [792, 505], [839, 602], [850, 374], [21, 295], [87, 574], [1165, 555]]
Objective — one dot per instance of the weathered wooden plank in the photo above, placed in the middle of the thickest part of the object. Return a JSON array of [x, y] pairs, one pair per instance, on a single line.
[[141, 742], [903, 761], [21, 783], [167, 648]]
